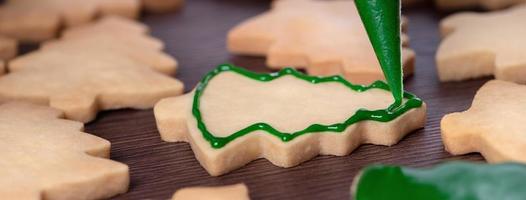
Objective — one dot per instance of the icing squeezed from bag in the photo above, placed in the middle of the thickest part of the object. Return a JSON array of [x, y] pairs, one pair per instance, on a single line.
[[456, 180], [384, 115], [381, 19]]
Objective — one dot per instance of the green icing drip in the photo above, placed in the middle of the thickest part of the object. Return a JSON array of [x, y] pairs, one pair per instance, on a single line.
[[381, 19], [384, 115], [452, 181]]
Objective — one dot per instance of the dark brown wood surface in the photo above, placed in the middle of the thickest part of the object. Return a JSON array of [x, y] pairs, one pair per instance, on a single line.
[[196, 37]]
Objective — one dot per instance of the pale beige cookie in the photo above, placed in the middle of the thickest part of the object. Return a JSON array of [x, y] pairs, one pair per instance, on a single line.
[[48, 158], [324, 37], [8, 48], [84, 73], [36, 21], [162, 6], [230, 192], [119, 36], [232, 102], [80, 84], [494, 125], [477, 45], [486, 4]]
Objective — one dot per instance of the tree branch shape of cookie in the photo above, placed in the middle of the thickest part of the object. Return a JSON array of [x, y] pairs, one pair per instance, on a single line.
[[324, 37], [235, 116], [477, 45], [486, 4], [45, 157], [81, 76], [493, 126], [41, 20]]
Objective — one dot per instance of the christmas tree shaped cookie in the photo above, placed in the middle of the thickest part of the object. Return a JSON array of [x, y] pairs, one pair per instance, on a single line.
[[324, 37], [487, 4], [36, 21], [82, 75], [493, 126], [235, 116], [477, 45], [48, 158], [125, 37], [450, 181]]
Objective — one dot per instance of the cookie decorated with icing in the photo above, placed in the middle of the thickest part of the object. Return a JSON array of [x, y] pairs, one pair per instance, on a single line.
[[235, 116], [486, 4], [8, 48], [83, 75], [493, 126], [46, 157], [450, 181], [322, 37], [477, 45], [229, 192], [41, 20]]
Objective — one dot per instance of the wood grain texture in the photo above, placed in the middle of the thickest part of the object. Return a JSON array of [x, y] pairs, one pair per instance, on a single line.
[[196, 37]]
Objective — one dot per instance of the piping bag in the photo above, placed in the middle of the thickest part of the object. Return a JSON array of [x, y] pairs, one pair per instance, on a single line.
[[381, 19]]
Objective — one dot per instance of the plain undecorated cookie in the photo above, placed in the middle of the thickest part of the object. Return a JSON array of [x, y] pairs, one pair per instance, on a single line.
[[48, 158], [36, 21], [85, 73], [477, 45], [234, 102], [162, 6], [486, 4], [493, 126], [324, 37], [8, 48], [230, 192], [117, 35]]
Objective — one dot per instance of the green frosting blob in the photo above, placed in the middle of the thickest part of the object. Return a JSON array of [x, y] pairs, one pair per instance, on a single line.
[[381, 19], [384, 115], [451, 181]]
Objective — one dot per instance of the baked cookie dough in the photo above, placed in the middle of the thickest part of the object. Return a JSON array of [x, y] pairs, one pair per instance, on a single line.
[[493, 126], [477, 45], [235, 116], [322, 37], [45, 157], [230, 192]]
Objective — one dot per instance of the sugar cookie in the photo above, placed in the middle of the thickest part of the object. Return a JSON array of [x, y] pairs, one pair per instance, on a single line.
[[84, 74], [162, 6], [45, 157], [37, 21], [8, 48], [127, 38], [324, 37], [450, 181], [230, 192], [493, 126], [486, 4], [477, 45], [236, 116]]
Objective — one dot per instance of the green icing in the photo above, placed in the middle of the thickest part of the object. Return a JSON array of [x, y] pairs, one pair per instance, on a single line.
[[381, 19], [451, 181], [384, 115]]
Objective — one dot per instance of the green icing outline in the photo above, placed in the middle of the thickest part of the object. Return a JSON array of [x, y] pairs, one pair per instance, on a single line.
[[384, 115]]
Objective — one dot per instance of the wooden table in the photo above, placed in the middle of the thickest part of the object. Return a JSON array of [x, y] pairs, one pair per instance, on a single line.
[[196, 37]]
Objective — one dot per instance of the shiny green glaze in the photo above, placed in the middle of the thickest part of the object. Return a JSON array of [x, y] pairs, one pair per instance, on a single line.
[[381, 19], [375, 115], [452, 181]]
